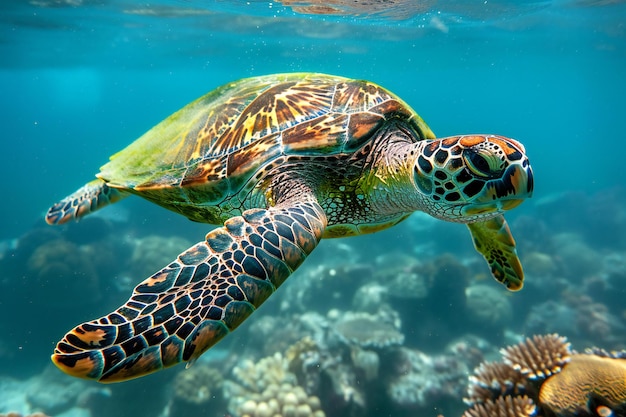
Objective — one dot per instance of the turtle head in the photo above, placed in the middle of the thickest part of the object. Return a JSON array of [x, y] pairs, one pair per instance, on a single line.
[[472, 177]]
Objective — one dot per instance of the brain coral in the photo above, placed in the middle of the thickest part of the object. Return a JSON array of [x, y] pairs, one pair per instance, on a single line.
[[583, 378]]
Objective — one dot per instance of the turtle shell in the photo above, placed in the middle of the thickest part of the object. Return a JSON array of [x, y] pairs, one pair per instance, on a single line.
[[211, 148]]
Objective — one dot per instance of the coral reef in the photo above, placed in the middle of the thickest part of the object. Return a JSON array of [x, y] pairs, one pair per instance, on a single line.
[[325, 286], [545, 378], [550, 317], [488, 306], [406, 278], [46, 392], [298, 355], [60, 271], [332, 369], [402, 275], [414, 288], [369, 331], [577, 260], [366, 328], [267, 388], [276, 333], [587, 321], [353, 362], [419, 380], [369, 297], [539, 264], [194, 389]]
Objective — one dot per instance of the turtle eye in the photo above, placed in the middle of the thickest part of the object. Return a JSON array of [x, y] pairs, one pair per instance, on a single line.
[[483, 163]]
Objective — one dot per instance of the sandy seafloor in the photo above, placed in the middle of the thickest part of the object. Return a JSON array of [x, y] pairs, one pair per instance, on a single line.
[[391, 324]]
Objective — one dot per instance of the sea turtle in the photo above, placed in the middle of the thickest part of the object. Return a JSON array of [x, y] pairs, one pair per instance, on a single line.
[[281, 161]]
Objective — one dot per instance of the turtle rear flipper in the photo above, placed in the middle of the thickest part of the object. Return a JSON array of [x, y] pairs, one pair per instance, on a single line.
[[87, 199], [184, 309], [493, 239]]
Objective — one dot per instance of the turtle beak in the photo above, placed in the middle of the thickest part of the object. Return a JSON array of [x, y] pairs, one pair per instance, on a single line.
[[530, 181], [515, 185], [506, 192], [521, 180]]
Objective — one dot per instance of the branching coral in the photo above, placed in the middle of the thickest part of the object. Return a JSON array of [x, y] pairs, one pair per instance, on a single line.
[[538, 357], [493, 380], [503, 407]]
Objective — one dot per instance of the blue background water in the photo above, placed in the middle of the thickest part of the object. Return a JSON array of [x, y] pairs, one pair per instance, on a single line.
[[81, 79]]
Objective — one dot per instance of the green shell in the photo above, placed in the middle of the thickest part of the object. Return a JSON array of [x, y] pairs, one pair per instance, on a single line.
[[210, 149]]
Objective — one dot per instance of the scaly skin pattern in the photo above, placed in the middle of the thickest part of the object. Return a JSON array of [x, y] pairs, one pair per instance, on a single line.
[[87, 199], [281, 161], [188, 306]]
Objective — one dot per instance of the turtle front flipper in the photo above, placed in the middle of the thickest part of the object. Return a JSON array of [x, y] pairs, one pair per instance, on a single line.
[[87, 199], [493, 239], [181, 311]]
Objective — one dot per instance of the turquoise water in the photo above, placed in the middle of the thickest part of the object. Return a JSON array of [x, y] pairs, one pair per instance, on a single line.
[[80, 79]]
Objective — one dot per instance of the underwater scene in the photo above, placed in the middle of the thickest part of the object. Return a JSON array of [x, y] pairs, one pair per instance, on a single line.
[[405, 322]]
